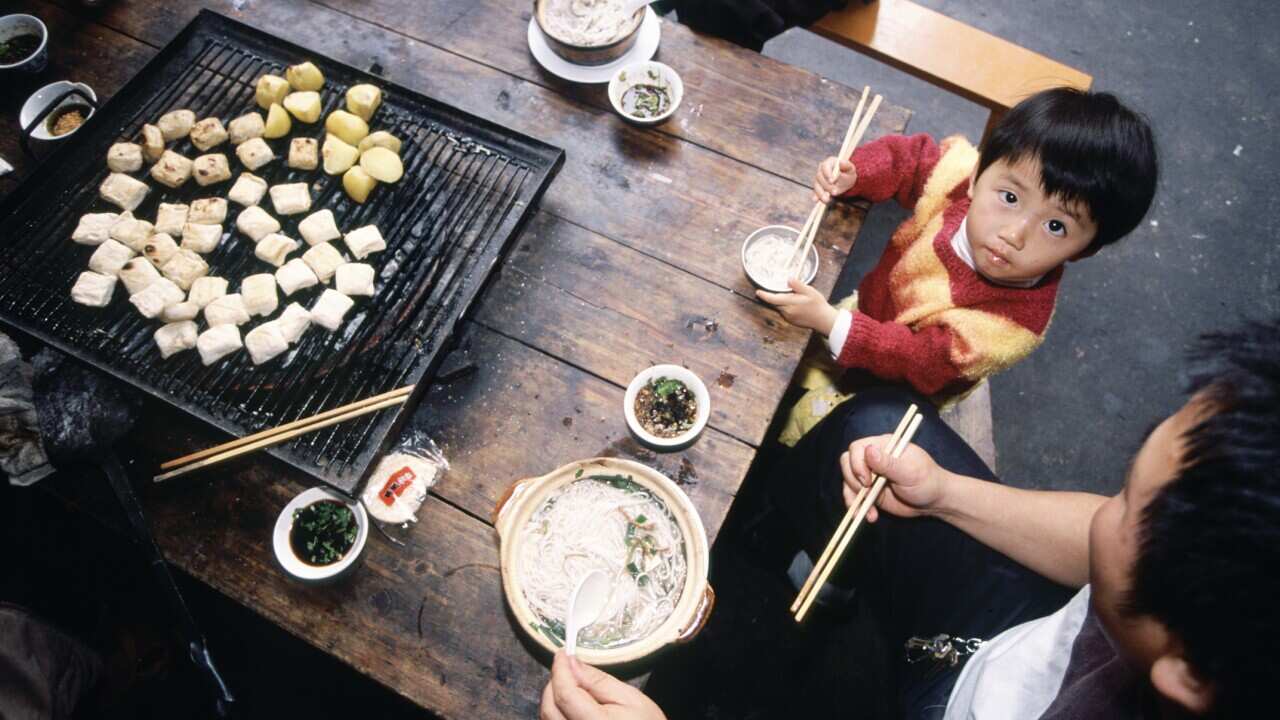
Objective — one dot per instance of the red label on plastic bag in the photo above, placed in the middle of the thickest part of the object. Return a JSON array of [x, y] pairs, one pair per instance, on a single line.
[[396, 485]]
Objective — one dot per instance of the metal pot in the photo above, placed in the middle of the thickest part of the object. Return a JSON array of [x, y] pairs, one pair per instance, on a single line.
[[588, 54], [697, 598]]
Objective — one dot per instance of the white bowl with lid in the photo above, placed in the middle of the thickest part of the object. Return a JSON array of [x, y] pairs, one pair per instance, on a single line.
[[45, 96]]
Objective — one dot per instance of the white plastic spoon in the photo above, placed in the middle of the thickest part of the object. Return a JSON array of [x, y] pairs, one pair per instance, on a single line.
[[585, 605]]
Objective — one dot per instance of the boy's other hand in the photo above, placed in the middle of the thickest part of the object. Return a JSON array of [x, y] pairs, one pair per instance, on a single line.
[[578, 691], [833, 179], [915, 482], [803, 307]]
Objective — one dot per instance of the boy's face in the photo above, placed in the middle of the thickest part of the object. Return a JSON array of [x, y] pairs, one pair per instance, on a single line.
[[1016, 232]]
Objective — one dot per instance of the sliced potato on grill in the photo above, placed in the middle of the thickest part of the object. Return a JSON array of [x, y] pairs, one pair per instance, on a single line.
[[358, 184], [304, 76], [351, 128], [381, 138], [363, 100], [278, 122], [303, 105], [382, 164], [270, 89], [338, 156]]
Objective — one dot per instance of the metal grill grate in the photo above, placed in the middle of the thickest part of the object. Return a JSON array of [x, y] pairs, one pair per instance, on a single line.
[[468, 186]]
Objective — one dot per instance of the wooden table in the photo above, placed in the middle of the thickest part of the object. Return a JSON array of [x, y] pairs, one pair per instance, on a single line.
[[632, 259]]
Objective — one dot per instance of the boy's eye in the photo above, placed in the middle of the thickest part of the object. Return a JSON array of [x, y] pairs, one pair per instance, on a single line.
[[1008, 198], [1056, 227]]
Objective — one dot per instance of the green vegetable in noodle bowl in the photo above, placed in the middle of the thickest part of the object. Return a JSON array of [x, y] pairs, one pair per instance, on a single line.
[[323, 532], [645, 101], [666, 408], [613, 524]]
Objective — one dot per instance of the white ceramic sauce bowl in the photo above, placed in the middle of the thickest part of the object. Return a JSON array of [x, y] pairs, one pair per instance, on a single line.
[[317, 574], [691, 381], [41, 98], [646, 73], [17, 24]]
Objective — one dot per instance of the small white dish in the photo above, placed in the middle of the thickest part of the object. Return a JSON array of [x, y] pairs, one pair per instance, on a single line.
[[647, 39], [790, 233], [41, 99], [646, 73], [691, 381], [292, 564], [12, 26]]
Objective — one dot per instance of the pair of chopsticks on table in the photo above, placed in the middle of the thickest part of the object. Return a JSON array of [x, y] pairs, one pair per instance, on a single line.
[[276, 435], [857, 127], [862, 504]]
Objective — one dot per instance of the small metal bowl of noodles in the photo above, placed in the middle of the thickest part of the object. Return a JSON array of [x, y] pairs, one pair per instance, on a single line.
[[618, 516], [764, 258], [587, 32]]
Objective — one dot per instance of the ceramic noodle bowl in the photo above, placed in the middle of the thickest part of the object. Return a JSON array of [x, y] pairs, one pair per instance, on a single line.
[[696, 599], [587, 54]]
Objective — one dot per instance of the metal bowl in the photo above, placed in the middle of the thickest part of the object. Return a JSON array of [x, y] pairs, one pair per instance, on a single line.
[[696, 599], [588, 54], [810, 265]]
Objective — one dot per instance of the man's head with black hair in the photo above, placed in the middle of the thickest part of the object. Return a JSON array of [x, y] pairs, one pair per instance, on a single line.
[[1185, 562], [1061, 175]]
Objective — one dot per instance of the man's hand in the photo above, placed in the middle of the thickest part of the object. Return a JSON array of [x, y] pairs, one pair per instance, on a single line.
[[803, 307], [830, 182], [578, 691], [915, 482]]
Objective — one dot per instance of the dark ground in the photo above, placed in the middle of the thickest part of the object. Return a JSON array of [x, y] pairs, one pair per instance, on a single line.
[[1206, 74]]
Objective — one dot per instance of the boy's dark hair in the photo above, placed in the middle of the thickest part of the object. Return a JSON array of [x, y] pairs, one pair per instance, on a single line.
[[1092, 150], [1208, 564]]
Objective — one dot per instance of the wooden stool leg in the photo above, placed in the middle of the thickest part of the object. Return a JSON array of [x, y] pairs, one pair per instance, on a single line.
[[992, 120]]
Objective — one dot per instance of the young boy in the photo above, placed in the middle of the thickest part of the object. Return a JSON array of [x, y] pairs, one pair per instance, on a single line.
[[967, 285]]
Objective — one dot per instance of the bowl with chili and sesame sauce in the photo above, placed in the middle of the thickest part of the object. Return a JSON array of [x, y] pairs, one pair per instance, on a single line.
[[667, 406]]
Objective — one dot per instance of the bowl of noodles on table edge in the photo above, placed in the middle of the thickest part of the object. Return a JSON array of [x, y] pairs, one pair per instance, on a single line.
[[625, 519]]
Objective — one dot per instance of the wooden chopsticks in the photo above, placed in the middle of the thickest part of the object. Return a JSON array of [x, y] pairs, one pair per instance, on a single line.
[[276, 435], [857, 128], [858, 510]]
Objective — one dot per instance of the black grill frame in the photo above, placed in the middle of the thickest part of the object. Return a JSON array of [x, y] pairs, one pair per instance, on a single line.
[[469, 187]]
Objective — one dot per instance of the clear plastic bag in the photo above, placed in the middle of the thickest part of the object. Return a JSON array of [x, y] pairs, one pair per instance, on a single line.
[[399, 484]]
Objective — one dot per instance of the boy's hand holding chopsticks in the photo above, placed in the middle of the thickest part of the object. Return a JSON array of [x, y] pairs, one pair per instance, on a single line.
[[803, 307], [828, 182], [915, 482]]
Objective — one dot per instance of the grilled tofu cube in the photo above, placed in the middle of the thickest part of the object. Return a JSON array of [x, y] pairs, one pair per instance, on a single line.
[[211, 169], [208, 133], [291, 198], [110, 258], [353, 279], [175, 337], [124, 157], [293, 322], [123, 191], [324, 260], [295, 275], [156, 297], [201, 238], [365, 241], [207, 289], [159, 248], [218, 342], [180, 311], [319, 227], [93, 289], [246, 127], [184, 267], [304, 154], [255, 153], [259, 294], [275, 248], [208, 211], [265, 342], [176, 124], [138, 274], [172, 170], [131, 231], [94, 228], [247, 190], [226, 310], [256, 223], [170, 217], [152, 143], [330, 308]]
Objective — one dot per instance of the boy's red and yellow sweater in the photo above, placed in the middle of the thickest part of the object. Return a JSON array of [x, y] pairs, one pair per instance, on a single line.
[[923, 315]]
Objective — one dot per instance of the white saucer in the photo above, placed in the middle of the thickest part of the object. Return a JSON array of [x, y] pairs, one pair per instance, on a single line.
[[646, 46]]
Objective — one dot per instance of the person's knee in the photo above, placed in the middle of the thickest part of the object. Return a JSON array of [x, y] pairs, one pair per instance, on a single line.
[[878, 410]]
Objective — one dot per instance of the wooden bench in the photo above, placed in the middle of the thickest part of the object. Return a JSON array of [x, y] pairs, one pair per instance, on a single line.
[[947, 53]]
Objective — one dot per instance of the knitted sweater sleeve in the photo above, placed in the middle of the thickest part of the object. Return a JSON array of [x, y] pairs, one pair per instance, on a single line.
[[896, 166], [893, 351]]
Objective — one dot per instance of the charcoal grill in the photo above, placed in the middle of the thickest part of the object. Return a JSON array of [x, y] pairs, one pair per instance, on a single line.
[[468, 187]]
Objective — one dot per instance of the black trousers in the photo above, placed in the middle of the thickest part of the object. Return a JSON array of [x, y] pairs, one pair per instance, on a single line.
[[917, 577]]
